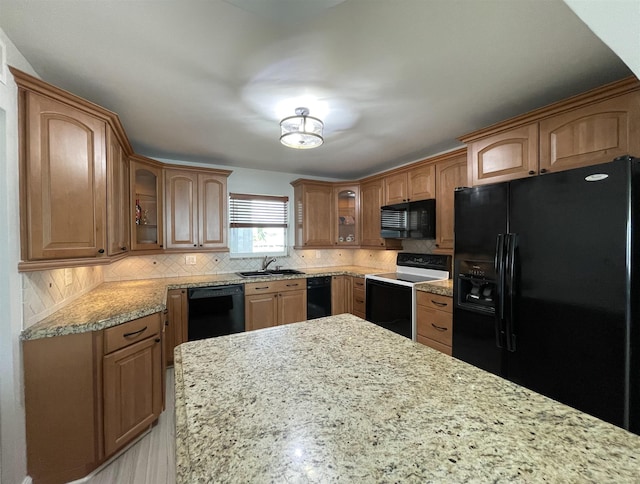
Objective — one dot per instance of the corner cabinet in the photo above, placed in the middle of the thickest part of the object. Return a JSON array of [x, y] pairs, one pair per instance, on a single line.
[[146, 198], [73, 179], [314, 208], [88, 395], [196, 209]]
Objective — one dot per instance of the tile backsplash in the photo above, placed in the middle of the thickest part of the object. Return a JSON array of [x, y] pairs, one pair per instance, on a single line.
[[44, 292], [172, 265]]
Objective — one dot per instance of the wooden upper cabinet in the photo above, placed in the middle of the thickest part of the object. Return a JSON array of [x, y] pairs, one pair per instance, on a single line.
[[396, 188], [181, 209], [593, 134], [63, 181], [371, 199], [146, 198], [347, 217], [314, 210], [418, 183], [504, 156], [422, 182], [118, 229], [590, 128], [196, 207], [212, 210], [450, 174]]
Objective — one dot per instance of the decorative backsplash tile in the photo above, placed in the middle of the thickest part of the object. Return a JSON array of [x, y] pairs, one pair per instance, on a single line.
[[172, 265], [44, 292]]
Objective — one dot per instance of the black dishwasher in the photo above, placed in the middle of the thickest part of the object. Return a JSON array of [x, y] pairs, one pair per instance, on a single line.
[[318, 297], [215, 311]]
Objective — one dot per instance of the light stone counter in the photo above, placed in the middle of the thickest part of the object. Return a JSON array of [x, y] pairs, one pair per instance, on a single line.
[[113, 303], [340, 399], [443, 288]]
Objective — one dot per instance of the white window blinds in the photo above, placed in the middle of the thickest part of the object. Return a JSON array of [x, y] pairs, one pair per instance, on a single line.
[[247, 211]]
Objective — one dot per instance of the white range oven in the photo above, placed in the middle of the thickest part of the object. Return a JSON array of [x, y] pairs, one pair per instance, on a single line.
[[391, 297]]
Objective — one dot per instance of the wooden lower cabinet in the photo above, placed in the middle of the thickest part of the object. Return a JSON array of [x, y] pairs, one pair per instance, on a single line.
[[341, 301], [87, 396], [434, 321], [176, 322], [359, 297], [132, 396], [269, 304]]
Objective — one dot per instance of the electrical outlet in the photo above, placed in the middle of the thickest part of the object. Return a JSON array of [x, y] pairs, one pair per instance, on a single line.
[[68, 277], [190, 260]]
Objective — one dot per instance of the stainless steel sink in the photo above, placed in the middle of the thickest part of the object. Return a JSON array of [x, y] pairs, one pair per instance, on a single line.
[[282, 272], [274, 272]]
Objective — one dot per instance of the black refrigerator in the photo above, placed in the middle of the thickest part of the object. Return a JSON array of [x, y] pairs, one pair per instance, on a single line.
[[545, 286]]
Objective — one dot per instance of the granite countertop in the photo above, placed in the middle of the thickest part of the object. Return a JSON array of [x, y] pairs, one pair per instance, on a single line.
[[113, 303], [341, 399]]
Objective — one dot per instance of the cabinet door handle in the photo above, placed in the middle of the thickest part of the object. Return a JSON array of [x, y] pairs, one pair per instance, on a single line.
[[531, 172], [157, 340], [544, 170], [439, 328], [359, 301], [100, 251], [438, 303], [123, 248], [128, 335]]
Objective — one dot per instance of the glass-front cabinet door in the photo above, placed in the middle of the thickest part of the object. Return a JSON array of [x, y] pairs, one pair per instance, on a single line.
[[146, 196], [347, 223]]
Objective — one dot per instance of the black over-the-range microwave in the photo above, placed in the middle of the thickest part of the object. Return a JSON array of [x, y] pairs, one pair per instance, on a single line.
[[410, 220]]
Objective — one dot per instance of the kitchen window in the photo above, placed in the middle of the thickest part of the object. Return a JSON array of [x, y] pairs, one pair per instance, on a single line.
[[258, 225]]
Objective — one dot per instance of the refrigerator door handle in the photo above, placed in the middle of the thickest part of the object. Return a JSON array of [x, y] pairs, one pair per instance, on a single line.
[[499, 296], [510, 290]]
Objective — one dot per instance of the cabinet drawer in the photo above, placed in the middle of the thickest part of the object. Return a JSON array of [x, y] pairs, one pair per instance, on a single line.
[[131, 332], [434, 301], [434, 324], [274, 286], [358, 301], [358, 283], [435, 345]]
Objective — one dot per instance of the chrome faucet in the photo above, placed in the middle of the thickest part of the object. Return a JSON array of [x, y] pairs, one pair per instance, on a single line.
[[266, 261]]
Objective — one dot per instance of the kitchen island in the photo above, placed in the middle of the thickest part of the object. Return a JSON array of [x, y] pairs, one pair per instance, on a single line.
[[340, 399]]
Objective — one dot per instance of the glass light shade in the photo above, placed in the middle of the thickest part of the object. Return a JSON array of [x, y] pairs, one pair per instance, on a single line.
[[301, 132]]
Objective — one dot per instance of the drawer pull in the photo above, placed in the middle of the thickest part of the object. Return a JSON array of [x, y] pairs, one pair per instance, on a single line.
[[134, 333], [439, 328], [292, 285], [260, 288], [438, 303]]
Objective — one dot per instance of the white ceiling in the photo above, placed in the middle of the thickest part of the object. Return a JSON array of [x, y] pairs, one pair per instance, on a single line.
[[394, 80]]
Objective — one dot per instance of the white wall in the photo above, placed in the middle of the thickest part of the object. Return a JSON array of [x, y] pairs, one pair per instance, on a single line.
[[617, 23], [12, 433]]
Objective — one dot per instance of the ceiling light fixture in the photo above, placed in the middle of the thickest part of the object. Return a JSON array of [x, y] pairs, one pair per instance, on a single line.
[[301, 131]]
